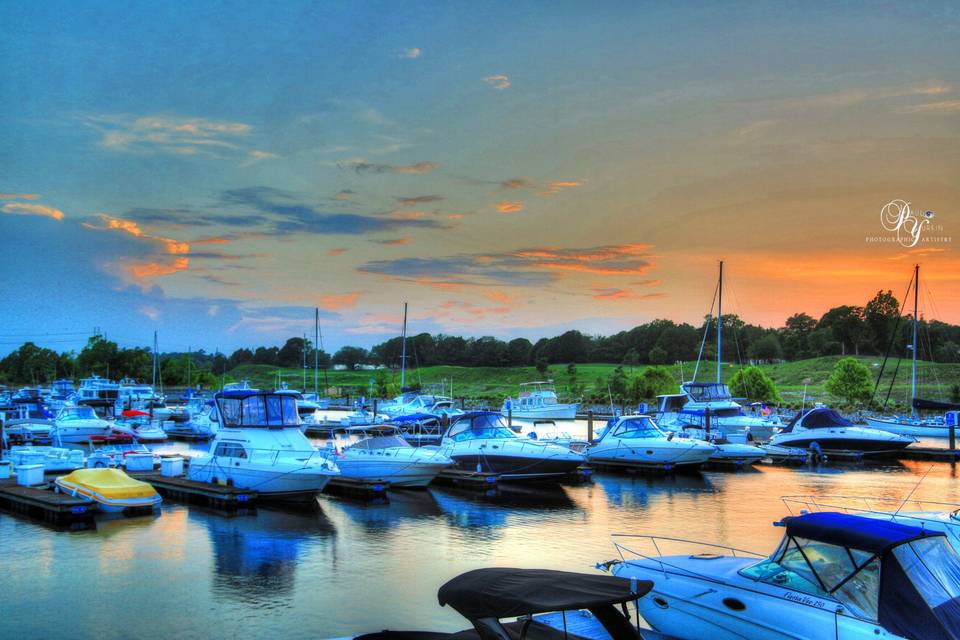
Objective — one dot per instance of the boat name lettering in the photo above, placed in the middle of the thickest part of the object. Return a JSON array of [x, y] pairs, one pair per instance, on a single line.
[[802, 599]]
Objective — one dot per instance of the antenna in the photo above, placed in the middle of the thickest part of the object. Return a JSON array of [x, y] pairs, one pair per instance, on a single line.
[[720, 325], [403, 349], [909, 495]]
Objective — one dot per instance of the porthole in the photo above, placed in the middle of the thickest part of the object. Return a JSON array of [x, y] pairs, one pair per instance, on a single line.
[[660, 602], [734, 604]]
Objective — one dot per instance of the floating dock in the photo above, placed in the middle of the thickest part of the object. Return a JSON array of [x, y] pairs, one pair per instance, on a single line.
[[929, 453], [217, 496], [42, 502], [481, 480], [371, 490]]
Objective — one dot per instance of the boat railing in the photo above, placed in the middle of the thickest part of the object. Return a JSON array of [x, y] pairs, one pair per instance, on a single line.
[[798, 505], [625, 545], [273, 457]]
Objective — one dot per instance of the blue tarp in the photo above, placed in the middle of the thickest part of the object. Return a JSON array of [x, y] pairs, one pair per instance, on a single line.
[[857, 532]]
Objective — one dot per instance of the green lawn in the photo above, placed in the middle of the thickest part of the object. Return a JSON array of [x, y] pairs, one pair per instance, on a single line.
[[492, 384]]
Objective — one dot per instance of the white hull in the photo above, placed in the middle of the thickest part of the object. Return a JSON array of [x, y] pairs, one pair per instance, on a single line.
[[909, 427], [555, 412], [398, 474], [657, 452], [277, 480], [107, 505]]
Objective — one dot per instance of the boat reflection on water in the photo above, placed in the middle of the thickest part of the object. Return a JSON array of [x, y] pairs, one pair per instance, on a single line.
[[255, 558], [413, 506], [638, 491], [473, 510]]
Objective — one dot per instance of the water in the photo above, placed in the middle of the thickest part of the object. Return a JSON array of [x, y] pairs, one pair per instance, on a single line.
[[349, 567]]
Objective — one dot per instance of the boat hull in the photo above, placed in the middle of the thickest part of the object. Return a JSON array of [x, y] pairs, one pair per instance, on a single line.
[[517, 468], [555, 412], [272, 482], [910, 428], [843, 444]]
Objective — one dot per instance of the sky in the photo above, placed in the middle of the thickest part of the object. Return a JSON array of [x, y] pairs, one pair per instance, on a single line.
[[216, 170]]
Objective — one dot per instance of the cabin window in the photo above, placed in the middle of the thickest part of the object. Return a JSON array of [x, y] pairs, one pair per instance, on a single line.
[[933, 566], [230, 450], [861, 592], [637, 428]]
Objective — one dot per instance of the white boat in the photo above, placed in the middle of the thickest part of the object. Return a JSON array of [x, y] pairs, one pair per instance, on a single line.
[[112, 489], [27, 431], [259, 446], [362, 418], [141, 426], [198, 420], [690, 408], [479, 441], [834, 575], [538, 401], [420, 429], [53, 459], [390, 458], [637, 441], [115, 455], [726, 453], [823, 429], [79, 425], [414, 403], [776, 453], [96, 389]]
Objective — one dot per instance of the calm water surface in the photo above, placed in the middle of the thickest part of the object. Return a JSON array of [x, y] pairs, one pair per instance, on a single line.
[[348, 567]]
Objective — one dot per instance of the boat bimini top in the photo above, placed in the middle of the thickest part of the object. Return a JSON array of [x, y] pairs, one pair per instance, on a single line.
[[258, 409], [907, 578]]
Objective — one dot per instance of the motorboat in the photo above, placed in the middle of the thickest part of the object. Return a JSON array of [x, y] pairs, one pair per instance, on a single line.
[[112, 489], [823, 429], [834, 575], [96, 390], [637, 441], [80, 425], [725, 453], [420, 429], [562, 438], [360, 417], [53, 459], [141, 426], [198, 420], [389, 458], [133, 395], [259, 446], [116, 455], [935, 516], [539, 604], [413, 403], [911, 425], [698, 399], [27, 431], [785, 455], [479, 441], [538, 401]]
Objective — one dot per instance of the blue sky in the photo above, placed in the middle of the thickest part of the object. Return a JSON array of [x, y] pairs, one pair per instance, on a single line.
[[215, 170]]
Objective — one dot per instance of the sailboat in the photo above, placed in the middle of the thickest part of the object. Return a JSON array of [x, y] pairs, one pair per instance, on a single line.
[[914, 424]]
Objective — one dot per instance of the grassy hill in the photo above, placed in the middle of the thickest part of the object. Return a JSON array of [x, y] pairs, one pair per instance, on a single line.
[[492, 384]]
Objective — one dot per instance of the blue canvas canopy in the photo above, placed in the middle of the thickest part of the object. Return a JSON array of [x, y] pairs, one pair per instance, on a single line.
[[818, 418], [845, 530]]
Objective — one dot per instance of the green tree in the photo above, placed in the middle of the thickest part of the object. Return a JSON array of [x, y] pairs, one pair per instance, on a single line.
[[880, 316], [542, 366], [850, 381], [654, 381], [292, 352], [97, 357], [618, 384], [753, 383], [632, 358], [955, 393], [657, 355], [766, 349], [350, 356]]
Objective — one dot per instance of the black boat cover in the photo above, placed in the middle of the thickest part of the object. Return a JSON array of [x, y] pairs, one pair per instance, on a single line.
[[933, 405], [819, 418], [504, 593], [857, 532]]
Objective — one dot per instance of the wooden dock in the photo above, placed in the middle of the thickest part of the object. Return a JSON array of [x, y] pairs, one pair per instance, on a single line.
[[217, 496], [43, 503], [368, 490], [929, 453]]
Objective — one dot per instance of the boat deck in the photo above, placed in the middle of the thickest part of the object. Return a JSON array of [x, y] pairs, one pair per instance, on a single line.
[[41, 501]]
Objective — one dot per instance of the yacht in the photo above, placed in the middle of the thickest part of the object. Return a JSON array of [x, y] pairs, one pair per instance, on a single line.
[[420, 429], [140, 425], [479, 441], [725, 453], [53, 459], [97, 389], [637, 441], [538, 401], [197, 420], [131, 395], [259, 446], [390, 458], [80, 425], [826, 430], [834, 575], [413, 403], [689, 409]]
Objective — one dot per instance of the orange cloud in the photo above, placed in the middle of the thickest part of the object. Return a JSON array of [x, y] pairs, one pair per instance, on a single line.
[[516, 183], [500, 297], [509, 206], [339, 251], [499, 81], [18, 196], [154, 267], [623, 294], [213, 240], [407, 215], [337, 301], [556, 186], [26, 209], [141, 270], [395, 241], [455, 216]]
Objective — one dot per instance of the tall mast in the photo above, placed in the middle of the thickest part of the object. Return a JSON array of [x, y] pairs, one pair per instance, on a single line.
[[316, 351], [403, 349], [303, 351], [916, 299], [153, 382], [720, 326]]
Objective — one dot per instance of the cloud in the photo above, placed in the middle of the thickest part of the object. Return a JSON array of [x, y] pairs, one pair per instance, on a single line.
[[18, 196], [517, 183], [407, 215], [946, 106], [169, 256], [456, 216], [499, 82], [556, 186], [256, 155], [756, 127], [287, 216], [28, 209], [344, 194], [509, 206], [410, 54], [412, 201], [338, 301], [173, 135], [623, 294], [551, 187], [523, 267], [394, 241], [853, 97], [279, 321], [416, 168], [333, 253]]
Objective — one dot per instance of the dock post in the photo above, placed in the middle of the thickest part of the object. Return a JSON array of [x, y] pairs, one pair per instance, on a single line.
[[590, 426], [706, 423], [510, 417], [374, 407], [953, 435], [462, 402]]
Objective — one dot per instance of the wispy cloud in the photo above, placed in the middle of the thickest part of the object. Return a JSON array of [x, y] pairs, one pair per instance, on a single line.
[[499, 81], [174, 135], [171, 256], [556, 186], [393, 241], [410, 54], [337, 301], [509, 206], [517, 183], [549, 188], [333, 253], [29, 209], [344, 194], [18, 196], [612, 293], [413, 201], [945, 106], [856, 96], [415, 168]]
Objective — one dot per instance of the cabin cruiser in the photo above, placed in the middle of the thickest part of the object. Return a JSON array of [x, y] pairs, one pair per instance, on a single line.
[[389, 458], [131, 395], [538, 401], [637, 441], [834, 575], [413, 403], [96, 389], [479, 441], [259, 446], [140, 426], [690, 408], [539, 604], [420, 429], [53, 459], [725, 453], [115, 455], [198, 420], [824, 429], [79, 425]]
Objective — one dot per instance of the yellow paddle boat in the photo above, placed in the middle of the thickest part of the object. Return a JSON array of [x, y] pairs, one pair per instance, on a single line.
[[112, 489]]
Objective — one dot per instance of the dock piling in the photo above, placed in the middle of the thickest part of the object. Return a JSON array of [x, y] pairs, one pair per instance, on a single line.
[[590, 426]]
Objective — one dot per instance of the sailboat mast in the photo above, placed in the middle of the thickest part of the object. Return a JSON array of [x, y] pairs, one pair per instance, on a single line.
[[153, 382], [303, 351], [916, 300], [720, 326], [316, 351], [403, 350]]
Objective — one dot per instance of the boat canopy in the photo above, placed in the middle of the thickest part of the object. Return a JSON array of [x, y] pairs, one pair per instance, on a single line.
[[251, 408], [818, 418], [842, 529], [478, 425], [506, 593], [414, 417], [706, 391], [382, 442]]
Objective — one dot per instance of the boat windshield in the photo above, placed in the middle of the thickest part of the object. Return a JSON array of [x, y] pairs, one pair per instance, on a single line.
[[483, 427], [708, 392], [77, 413], [641, 427], [382, 442], [266, 410], [849, 575]]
